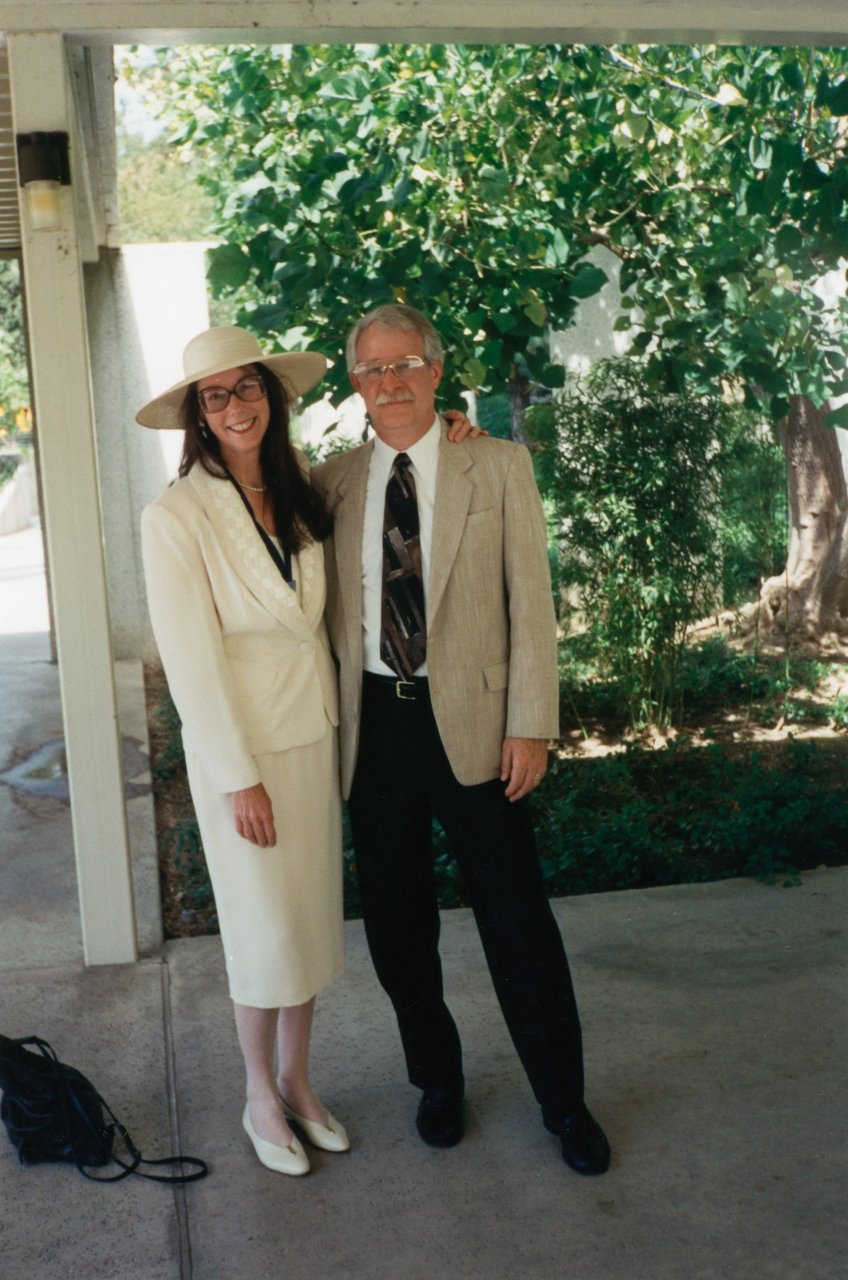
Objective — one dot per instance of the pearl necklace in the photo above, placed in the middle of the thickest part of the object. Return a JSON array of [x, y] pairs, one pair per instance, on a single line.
[[253, 488]]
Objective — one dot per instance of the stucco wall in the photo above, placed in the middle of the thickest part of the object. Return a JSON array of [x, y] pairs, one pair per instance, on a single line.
[[144, 302]]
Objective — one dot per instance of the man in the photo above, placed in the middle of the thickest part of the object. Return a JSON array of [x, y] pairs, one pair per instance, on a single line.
[[440, 614]]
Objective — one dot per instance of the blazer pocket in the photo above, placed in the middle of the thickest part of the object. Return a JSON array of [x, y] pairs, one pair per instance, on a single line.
[[256, 681], [496, 676]]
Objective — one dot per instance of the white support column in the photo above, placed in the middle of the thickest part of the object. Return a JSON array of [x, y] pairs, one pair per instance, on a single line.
[[71, 512]]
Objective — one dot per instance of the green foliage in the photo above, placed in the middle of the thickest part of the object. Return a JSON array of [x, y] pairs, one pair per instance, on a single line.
[[170, 758], [472, 181], [753, 508], [160, 197], [640, 818], [14, 383], [637, 817], [183, 861], [493, 415], [750, 193], [711, 679], [715, 678], [352, 898], [8, 466], [634, 491], [643, 818], [395, 173], [739, 209], [190, 865]]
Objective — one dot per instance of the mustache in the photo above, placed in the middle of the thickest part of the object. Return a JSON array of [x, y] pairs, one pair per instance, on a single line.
[[395, 397]]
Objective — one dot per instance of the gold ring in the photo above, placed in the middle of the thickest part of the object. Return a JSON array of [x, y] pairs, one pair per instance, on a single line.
[[537, 777]]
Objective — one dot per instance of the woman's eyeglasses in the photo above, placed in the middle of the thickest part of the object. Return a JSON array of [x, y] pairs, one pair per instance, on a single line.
[[214, 399]]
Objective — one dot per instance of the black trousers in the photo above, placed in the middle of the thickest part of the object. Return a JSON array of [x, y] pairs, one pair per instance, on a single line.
[[402, 778]]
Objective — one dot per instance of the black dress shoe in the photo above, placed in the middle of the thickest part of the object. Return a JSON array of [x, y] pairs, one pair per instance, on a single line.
[[439, 1118], [584, 1145]]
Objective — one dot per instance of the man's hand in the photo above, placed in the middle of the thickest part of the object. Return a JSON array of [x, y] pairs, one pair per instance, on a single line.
[[459, 427], [524, 762], [254, 815]]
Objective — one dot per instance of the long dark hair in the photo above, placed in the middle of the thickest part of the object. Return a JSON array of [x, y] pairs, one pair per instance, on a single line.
[[300, 515]]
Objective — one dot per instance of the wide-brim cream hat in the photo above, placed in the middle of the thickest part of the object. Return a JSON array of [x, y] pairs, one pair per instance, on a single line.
[[228, 347]]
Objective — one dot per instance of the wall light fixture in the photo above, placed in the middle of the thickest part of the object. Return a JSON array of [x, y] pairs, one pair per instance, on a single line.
[[43, 169]]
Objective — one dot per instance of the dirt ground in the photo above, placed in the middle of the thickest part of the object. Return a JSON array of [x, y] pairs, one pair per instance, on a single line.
[[737, 730]]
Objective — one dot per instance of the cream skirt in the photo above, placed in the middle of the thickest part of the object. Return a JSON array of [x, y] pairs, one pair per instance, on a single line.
[[280, 909]]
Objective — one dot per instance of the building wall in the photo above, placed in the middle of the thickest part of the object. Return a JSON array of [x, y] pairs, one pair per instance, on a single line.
[[593, 336], [144, 302]]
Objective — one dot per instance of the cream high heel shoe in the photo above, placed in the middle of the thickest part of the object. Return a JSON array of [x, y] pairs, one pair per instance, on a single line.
[[327, 1137], [291, 1159]]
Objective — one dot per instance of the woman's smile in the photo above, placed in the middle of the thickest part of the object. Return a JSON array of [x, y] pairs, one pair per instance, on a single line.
[[240, 427]]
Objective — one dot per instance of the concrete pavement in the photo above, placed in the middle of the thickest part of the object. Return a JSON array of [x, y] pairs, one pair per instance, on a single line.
[[715, 1027]]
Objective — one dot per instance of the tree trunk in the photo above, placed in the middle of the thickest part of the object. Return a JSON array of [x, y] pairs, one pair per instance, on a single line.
[[810, 598], [519, 399]]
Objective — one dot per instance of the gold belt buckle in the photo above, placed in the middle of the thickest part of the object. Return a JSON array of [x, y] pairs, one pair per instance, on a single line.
[[399, 687]]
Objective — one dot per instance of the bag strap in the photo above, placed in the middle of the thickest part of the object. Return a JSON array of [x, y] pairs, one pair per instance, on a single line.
[[200, 1171], [68, 1099]]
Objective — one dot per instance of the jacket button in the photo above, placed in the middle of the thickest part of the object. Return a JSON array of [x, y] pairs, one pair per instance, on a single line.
[[305, 646]]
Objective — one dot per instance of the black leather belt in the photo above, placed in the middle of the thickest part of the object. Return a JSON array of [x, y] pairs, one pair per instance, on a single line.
[[414, 690]]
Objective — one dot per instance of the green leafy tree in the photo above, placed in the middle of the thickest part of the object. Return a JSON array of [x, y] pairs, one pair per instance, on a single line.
[[731, 207], [473, 181], [14, 384], [160, 197], [346, 177]]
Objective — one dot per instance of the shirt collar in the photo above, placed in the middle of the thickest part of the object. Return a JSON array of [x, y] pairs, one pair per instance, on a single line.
[[424, 454]]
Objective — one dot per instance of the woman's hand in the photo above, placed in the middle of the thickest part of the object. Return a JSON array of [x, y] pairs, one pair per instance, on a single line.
[[254, 815], [459, 427]]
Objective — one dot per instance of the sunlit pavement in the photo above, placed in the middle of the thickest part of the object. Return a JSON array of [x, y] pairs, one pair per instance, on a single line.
[[22, 589]]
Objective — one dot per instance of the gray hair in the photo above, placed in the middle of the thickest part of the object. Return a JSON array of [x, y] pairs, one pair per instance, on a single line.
[[393, 315]]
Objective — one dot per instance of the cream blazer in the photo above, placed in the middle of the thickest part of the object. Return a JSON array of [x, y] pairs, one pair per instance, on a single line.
[[249, 667], [491, 628]]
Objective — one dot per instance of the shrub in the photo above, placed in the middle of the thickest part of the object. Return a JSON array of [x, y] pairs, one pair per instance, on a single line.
[[711, 678], [630, 471], [687, 814]]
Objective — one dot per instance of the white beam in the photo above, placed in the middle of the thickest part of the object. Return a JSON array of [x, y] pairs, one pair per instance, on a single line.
[[41, 100], [488, 21]]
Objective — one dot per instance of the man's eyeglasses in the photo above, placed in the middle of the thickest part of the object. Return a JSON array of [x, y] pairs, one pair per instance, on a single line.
[[371, 374], [214, 399]]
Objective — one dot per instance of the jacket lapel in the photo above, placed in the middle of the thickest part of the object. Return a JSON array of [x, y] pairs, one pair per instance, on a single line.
[[246, 553], [348, 503], [453, 497]]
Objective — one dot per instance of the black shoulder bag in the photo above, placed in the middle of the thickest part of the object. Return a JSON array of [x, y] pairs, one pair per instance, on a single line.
[[52, 1112]]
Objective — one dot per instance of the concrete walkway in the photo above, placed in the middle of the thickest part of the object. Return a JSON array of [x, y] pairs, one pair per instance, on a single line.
[[715, 1026]]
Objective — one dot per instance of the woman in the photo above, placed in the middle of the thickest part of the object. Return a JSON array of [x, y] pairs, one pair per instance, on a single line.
[[234, 568]]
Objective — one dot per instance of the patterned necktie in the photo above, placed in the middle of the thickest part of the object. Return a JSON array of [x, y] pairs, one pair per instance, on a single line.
[[403, 628]]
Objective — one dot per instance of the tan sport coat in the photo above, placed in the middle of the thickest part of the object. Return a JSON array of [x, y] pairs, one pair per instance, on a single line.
[[249, 667], [491, 630]]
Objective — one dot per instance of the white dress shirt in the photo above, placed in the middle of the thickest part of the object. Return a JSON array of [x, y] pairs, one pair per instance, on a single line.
[[424, 456]]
